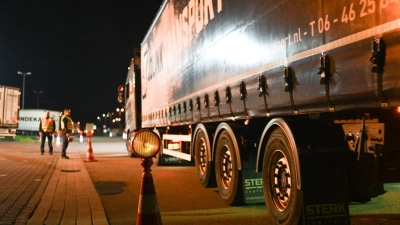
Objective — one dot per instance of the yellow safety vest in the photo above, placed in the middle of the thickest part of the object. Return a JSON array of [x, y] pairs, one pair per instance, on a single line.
[[70, 126], [47, 124]]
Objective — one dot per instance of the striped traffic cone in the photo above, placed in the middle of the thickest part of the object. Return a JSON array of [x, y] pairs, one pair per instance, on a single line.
[[58, 140], [89, 153], [148, 213]]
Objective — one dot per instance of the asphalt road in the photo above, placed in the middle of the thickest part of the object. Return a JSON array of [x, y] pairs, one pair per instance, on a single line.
[[182, 200]]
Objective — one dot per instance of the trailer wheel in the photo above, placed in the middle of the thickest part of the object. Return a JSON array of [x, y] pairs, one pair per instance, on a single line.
[[282, 197], [204, 168], [228, 176], [158, 158], [128, 144], [157, 161]]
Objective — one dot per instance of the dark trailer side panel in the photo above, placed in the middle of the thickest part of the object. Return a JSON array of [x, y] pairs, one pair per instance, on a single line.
[[195, 50]]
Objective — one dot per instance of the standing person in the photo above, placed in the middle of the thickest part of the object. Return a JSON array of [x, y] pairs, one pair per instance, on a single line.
[[47, 126], [66, 127]]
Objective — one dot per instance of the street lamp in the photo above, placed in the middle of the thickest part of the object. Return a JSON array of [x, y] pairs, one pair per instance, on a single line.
[[23, 86], [107, 115], [120, 110], [120, 118], [38, 93], [110, 114]]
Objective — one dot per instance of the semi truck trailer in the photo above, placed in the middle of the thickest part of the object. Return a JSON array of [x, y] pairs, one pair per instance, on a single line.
[[291, 103], [29, 120], [9, 109]]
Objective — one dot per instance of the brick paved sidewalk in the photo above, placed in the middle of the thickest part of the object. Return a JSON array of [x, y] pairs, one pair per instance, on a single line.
[[45, 189], [24, 174], [70, 196]]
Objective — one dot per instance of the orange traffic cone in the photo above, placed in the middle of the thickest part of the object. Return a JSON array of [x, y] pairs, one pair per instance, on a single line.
[[89, 153], [148, 212]]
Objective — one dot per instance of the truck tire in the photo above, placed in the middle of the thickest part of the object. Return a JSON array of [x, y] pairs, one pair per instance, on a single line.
[[282, 197], [204, 168], [128, 144], [228, 176], [157, 161]]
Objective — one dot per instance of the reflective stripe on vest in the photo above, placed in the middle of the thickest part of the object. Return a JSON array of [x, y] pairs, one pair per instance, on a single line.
[[47, 124], [70, 126]]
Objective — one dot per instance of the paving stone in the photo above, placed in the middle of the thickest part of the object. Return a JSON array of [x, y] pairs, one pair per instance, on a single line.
[[36, 191]]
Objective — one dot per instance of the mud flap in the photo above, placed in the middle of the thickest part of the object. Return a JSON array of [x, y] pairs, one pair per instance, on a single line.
[[252, 187], [363, 178], [323, 177], [166, 159]]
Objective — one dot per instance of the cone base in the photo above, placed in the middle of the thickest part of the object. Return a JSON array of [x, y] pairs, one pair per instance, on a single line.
[[146, 219], [91, 160]]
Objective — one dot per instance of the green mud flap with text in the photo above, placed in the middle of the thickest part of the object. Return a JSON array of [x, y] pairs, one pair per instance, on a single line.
[[167, 159], [252, 186], [172, 160], [323, 178]]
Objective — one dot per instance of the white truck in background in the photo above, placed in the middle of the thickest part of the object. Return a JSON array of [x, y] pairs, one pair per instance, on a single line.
[[29, 120], [9, 106]]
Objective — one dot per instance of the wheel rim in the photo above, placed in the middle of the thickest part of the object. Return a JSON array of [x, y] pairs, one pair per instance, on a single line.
[[129, 142], [226, 167], [281, 180], [202, 156]]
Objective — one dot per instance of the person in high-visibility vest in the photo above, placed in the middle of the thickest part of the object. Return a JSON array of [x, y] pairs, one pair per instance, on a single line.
[[47, 126], [66, 127]]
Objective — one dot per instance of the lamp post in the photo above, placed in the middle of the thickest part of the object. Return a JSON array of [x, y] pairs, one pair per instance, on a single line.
[[108, 117], [119, 110], [38, 93], [110, 114], [23, 86], [120, 117], [105, 120]]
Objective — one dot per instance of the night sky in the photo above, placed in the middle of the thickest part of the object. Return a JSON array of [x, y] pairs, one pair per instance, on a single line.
[[77, 51]]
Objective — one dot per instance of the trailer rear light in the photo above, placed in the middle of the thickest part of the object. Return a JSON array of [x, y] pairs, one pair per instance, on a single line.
[[145, 144], [173, 144]]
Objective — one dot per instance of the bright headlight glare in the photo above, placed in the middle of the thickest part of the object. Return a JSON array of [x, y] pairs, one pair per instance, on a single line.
[[146, 144]]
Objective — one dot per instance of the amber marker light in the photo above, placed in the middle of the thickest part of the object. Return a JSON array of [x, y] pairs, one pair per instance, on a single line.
[[145, 144]]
